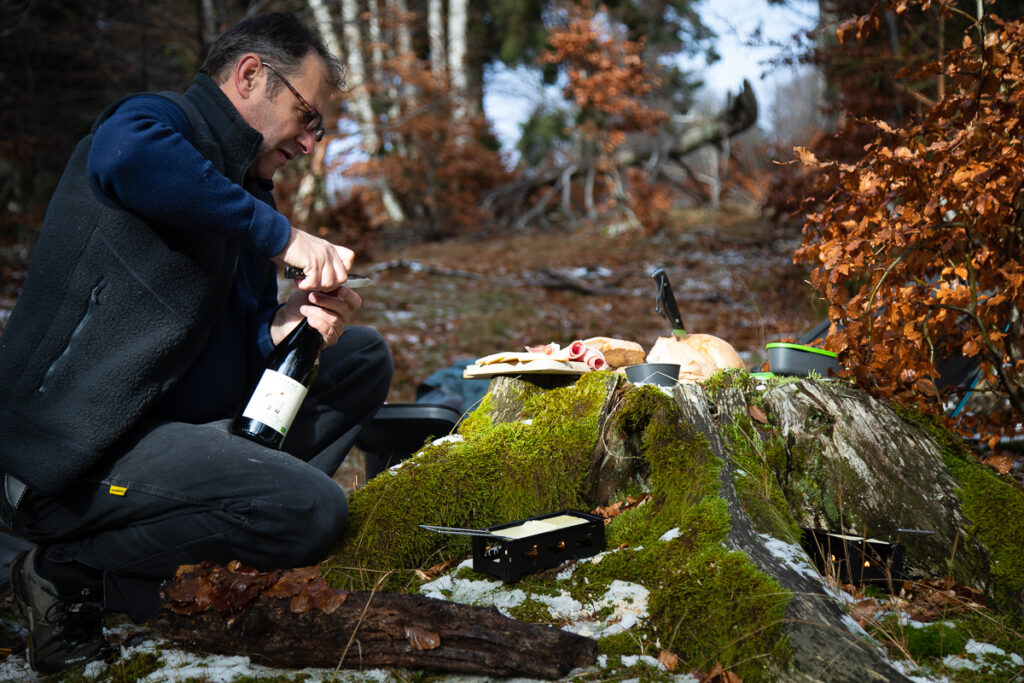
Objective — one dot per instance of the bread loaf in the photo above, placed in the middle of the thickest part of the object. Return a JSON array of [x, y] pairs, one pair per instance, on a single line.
[[618, 352], [699, 355]]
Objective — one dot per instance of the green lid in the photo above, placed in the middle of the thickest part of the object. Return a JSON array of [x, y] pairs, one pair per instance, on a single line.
[[801, 347]]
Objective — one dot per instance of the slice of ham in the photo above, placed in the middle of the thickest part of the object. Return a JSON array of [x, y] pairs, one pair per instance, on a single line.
[[547, 349], [578, 351]]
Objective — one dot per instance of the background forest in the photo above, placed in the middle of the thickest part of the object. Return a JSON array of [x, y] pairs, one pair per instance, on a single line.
[[901, 203]]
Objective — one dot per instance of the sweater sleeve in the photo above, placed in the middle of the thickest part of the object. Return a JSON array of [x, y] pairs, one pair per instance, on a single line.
[[142, 158]]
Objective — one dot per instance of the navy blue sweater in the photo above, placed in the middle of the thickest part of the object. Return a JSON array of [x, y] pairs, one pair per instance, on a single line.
[[142, 159]]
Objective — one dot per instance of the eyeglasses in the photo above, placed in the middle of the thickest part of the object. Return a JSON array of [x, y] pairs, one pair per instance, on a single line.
[[314, 119]]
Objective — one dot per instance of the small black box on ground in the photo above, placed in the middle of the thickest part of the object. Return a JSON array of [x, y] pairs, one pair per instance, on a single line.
[[537, 543], [854, 559], [399, 429]]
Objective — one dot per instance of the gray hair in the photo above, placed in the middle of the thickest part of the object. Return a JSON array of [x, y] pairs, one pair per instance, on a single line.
[[279, 38]]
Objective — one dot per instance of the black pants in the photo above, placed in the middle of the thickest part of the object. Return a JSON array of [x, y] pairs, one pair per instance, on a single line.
[[173, 493]]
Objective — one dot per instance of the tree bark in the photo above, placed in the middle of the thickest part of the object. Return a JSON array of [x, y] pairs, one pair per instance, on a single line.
[[739, 114], [458, 18], [875, 474], [376, 43], [824, 645], [435, 34], [325, 27], [883, 462], [361, 103], [290, 619]]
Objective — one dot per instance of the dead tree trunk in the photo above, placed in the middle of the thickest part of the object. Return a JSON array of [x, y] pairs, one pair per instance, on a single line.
[[824, 646], [739, 114], [291, 619]]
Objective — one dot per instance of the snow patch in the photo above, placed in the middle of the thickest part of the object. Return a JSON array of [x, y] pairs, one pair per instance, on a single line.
[[790, 555], [628, 605]]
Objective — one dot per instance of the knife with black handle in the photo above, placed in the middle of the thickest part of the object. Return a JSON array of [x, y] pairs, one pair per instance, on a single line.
[[665, 303], [353, 281]]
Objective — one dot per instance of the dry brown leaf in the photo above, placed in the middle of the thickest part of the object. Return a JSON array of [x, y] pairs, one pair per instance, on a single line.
[[717, 674], [285, 587], [328, 603], [668, 660], [864, 611], [757, 414], [609, 512], [422, 639], [999, 462], [301, 603], [438, 569]]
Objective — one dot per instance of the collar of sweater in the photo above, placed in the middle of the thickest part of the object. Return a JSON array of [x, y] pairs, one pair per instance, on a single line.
[[239, 141]]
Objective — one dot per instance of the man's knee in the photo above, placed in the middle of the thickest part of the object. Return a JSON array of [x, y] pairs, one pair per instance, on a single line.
[[362, 359], [301, 527], [369, 345]]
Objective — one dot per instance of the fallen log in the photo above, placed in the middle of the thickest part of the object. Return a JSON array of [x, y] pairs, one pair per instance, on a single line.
[[292, 619]]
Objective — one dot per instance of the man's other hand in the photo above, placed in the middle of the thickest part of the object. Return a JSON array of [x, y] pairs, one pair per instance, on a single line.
[[327, 312]]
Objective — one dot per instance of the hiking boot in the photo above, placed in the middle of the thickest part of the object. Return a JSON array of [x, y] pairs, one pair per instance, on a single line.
[[61, 631]]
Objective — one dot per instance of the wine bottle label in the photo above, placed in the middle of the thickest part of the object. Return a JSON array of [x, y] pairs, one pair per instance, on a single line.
[[275, 401]]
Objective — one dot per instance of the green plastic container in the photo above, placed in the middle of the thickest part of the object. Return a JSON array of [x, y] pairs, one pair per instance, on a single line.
[[799, 360]]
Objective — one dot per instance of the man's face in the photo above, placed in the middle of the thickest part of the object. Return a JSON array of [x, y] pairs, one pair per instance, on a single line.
[[282, 118]]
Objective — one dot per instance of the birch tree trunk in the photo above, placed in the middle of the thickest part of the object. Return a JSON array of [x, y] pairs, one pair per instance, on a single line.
[[403, 31], [458, 18], [208, 22], [435, 32], [361, 103], [325, 27], [357, 76], [376, 42]]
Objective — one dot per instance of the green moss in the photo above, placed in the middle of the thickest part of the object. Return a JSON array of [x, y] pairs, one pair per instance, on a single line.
[[127, 670], [734, 378], [729, 378], [935, 641], [623, 643], [707, 604], [497, 473], [928, 645], [761, 462], [478, 421], [994, 505], [532, 611]]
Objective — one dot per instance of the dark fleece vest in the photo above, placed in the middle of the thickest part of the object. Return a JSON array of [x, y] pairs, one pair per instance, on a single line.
[[114, 310]]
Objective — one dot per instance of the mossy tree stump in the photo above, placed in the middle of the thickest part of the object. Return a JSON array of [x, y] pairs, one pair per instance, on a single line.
[[819, 454], [733, 470]]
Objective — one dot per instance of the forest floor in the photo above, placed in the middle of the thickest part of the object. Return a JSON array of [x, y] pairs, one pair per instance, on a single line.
[[732, 274]]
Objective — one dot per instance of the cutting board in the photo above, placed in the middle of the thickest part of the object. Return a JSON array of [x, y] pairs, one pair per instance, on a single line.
[[542, 366]]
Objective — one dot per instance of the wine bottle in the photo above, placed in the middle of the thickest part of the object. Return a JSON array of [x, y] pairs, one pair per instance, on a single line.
[[274, 403]]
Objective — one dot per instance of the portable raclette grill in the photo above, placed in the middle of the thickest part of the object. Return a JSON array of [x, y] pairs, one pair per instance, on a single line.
[[510, 551]]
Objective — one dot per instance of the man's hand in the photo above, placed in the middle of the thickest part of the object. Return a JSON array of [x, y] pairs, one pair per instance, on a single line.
[[325, 265], [327, 312]]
